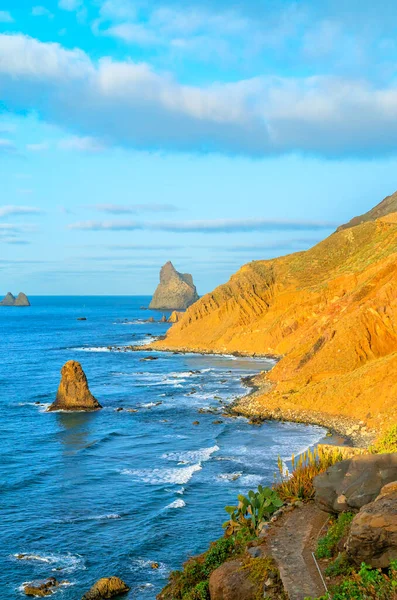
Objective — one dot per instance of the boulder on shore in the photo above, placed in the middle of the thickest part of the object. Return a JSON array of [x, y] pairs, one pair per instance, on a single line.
[[355, 482], [373, 532], [73, 392], [247, 579], [41, 589], [107, 587], [10, 300], [176, 291]]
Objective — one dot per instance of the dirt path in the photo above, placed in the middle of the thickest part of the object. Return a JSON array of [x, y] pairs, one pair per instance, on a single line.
[[291, 542]]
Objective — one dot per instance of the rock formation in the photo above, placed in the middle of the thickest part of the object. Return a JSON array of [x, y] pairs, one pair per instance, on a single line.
[[10, 300], [373, 532], [386, 207], [355, 482], [107, 587], [175, 290], [73, 392], [175, 316], [329, 313], [41, 589]]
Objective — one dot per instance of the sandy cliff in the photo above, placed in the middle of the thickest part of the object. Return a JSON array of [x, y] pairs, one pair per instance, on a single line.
[[330, 313]]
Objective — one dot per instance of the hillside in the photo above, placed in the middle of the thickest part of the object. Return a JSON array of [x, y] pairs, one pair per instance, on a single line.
[[330, 313], [386, 207]]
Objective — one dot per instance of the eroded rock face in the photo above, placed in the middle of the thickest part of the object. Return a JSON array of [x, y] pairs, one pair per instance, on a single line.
[[107, 587], [373, 533], [73, 392], [175, 290], [353, 483]]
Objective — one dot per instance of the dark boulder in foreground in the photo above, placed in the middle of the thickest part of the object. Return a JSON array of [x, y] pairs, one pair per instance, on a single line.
[[107, 587], [73, 392], [373, 533], [355, 482], [10, 300], [176, 291]]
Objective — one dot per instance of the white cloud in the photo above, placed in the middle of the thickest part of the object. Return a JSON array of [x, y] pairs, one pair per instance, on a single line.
[[129, 104], [7, 145], [82, 144], [9, 209], [39, 147], [5, 17], [134, 208], [205, 226], [42, 11], [70, 5]]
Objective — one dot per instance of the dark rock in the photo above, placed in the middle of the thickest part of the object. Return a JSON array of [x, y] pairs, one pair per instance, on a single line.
[[107, 587], [217, 422], [163, 319], [355, 482], [146, 358], [81, 318], [196, 423], [176, 291], [73, 392], [373, 533]]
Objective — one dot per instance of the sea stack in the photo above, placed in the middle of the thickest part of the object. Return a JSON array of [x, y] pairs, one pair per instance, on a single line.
[[73, 392], [20, 300], [176, 291]]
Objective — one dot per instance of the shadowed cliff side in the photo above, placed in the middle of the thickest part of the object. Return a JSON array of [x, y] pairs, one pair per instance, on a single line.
[[330, 313]]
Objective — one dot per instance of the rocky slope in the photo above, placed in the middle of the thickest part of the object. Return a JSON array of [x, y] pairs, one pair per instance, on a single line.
[[176, 291], [329, 313], [10, 300]]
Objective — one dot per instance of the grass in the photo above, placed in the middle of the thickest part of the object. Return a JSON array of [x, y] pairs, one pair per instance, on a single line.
[[327, 546], [366, 584], [298, 485], [386, 443]]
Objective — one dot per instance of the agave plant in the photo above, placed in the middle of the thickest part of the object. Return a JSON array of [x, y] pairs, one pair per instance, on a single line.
[[252, 511]]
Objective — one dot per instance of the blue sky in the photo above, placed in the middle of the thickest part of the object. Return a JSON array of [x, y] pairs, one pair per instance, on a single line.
[[210, 133]]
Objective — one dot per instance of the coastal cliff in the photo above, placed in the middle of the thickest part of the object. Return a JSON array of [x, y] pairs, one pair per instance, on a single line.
[[329, 314], [176, 291]]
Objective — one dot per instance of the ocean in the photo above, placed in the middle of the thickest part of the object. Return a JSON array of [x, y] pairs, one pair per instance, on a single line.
[[113, 492]]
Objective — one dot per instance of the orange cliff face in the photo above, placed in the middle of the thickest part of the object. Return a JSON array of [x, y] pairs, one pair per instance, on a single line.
[[330, 313]]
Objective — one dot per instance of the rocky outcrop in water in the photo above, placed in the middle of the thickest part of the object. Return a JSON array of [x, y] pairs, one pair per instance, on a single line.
[[355, 482], [73, 392], [176, 291], [107, 587], [41, 589], [175, 316], [373, 532], [10, 300]]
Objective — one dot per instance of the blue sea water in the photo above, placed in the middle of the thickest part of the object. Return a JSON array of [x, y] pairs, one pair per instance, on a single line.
[[110, 493]]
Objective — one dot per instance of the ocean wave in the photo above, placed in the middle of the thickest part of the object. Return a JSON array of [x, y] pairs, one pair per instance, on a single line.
[[191, 456], [230, 476], [68, 563], [179, 503], [42, 407], [92, 349], [104, 517], [151, 566], [159, 476], [251, 480]]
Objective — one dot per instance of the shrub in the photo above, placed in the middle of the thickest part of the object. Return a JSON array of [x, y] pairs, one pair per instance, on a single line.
[[366, 584], [327, 545], [252, 511], [298, 485], [200, 592], [340, 566], [386, 443]]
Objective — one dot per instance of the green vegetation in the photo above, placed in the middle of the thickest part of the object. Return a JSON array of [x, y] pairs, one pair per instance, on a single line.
[[340, 566], [387, 443], [298, 485], [366, 584], [260, 570], [252, 511], [327, 546]]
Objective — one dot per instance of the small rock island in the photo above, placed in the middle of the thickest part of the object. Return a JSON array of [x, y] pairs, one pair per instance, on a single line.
[[10, 300], [176, 291], [73, 392]]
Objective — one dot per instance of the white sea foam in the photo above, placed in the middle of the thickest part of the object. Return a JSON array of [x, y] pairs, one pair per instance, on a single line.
[[230, 476], [68, 563], [159, 476], [191, 456], [91, 518], [140, 563], [92, 349], [179, 503], [251, 480]]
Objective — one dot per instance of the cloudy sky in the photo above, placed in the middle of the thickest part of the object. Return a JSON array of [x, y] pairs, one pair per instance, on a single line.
[[207, 132]]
